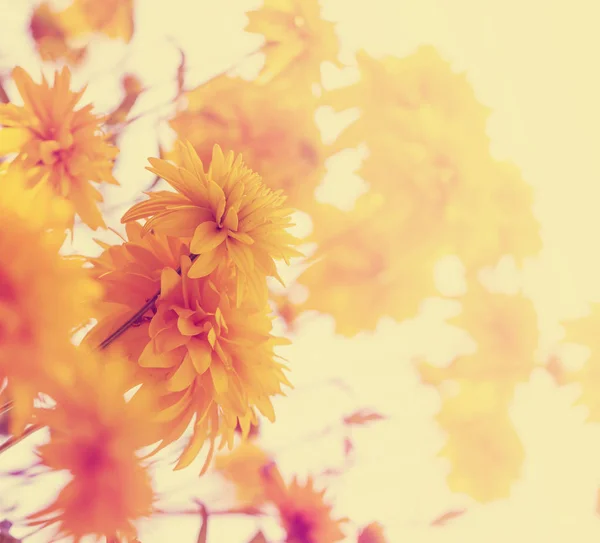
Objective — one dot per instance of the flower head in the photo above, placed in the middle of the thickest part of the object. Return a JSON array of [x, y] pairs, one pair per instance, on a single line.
[[58, 145], [305, 515], [211, 357], [94, 434], [230, 216], [34, 281], [198, 350]]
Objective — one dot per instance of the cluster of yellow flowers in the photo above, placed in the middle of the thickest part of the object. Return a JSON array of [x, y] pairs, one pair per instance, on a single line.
[[180, 307], [177, 328]]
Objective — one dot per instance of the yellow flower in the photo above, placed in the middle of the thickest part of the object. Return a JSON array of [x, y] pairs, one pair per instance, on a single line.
[[43, 296], [51, 39], [276, 135], [297, 40], [94, 434], [211, 357], [229, 215], [304, 514], [58, 145], [196, 348]]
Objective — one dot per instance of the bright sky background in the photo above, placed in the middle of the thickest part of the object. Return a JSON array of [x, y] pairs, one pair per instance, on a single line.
[[536, 65]]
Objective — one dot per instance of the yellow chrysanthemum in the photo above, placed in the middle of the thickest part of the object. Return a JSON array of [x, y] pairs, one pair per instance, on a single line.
[[277, 137], [304, 514], [35, 281], [229, 215], [58, 145], [195, 347], [94, 434], [298, 41], [211, 357]]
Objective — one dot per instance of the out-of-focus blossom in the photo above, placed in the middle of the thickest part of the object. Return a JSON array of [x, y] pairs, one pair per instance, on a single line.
[[372, 533], [366, 265], [297, 41], [94, 435], [483, 446], [230, 217], [51, 37], [243, 467], [58, 145], [276, 135], [305, 515], [114, 18], [35, 281]]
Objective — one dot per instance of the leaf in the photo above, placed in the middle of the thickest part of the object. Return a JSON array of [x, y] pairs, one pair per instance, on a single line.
[[450, 515], [204, 528], [258, 538], [363, 416]]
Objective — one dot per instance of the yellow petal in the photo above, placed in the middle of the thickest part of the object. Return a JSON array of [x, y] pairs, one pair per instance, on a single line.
[[231, 219], [207, 237], [200, 354], [204, 264], [220, 377], [183, 376], [12, 140]]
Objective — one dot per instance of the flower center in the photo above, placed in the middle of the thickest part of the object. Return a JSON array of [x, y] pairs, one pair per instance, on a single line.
[[299, 529]]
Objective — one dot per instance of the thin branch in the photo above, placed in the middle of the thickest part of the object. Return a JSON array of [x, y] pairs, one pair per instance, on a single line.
[[135, 319], [6, 407], [131, 321]]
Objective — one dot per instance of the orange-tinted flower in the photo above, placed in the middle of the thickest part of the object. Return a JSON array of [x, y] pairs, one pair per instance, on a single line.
[[243, 467], [372, 533], [305, 515], [51, 37], [94, 434], [196, 348], [34, 282], [211, 357], [365, 267], [229, 215], [58, 145], [277, 137], [297, 40]]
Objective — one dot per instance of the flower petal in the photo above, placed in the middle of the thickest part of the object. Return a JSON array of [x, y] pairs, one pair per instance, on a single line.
[[200, 354], [207, 237]]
